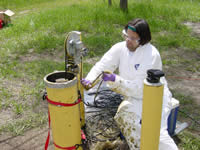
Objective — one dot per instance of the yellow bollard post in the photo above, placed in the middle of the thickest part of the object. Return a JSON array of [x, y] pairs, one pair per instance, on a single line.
[[151, 110], [64, 109]]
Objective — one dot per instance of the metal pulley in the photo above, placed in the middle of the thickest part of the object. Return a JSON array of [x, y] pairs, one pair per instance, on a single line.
[[74, 47], [74, 50]]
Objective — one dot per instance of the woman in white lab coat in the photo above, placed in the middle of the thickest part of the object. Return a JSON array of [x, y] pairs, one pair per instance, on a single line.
[[133, 57]]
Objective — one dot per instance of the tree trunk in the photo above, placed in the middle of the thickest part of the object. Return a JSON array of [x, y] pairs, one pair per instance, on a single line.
[[110, 2], [124, 5]]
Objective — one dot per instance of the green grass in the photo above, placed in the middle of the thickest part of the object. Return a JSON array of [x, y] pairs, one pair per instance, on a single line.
[[189, 141], [22, 4], [49, 27], [87, 68], [38, 33], [18, 108]]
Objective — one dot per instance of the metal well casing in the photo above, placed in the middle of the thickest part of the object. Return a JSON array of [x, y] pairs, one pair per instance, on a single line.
[[151, 115], [65, 121]]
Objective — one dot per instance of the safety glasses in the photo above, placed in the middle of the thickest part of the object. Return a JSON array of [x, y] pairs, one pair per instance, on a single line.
[[125, 36]]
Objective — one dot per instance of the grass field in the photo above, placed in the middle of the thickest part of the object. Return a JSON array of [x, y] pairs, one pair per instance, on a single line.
[[33, 47]]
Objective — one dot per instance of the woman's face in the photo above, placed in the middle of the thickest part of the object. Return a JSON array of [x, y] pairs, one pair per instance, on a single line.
[[132, 40]]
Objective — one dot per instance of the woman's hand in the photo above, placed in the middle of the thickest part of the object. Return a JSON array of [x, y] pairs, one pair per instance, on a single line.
[[86, 83], [109, 77]]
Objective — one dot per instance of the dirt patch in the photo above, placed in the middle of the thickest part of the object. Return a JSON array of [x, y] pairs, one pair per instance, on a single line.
[[24, 12], [17, 90], [182, 74], [33, 139], [188, 87], [14, 86], [31, 56], [5, 117], [92, 60], [195, 26]]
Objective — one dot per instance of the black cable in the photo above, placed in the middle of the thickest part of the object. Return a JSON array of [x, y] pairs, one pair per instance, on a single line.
[[100, 123]]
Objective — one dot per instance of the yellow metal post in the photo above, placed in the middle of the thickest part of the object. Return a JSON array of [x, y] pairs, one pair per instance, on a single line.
[[81, 89], [151, 115], [80, 76], [65, 121]]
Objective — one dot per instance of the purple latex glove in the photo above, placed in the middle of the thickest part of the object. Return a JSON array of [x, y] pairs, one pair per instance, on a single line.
[[109, 77], [86, 83]]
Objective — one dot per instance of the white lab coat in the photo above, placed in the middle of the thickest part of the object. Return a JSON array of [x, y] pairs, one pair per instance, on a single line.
[[132, 67]]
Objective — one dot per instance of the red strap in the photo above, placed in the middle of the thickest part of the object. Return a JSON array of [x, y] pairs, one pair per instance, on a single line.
[[66, 148], [83, 137], [62, 104], [48, 137]]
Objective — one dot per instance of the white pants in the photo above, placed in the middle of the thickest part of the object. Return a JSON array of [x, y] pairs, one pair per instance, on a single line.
[[129, 124], [166, 142]]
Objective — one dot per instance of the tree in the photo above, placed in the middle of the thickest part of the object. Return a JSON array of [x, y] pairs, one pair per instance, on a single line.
[[124, 5], [109, 2]]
